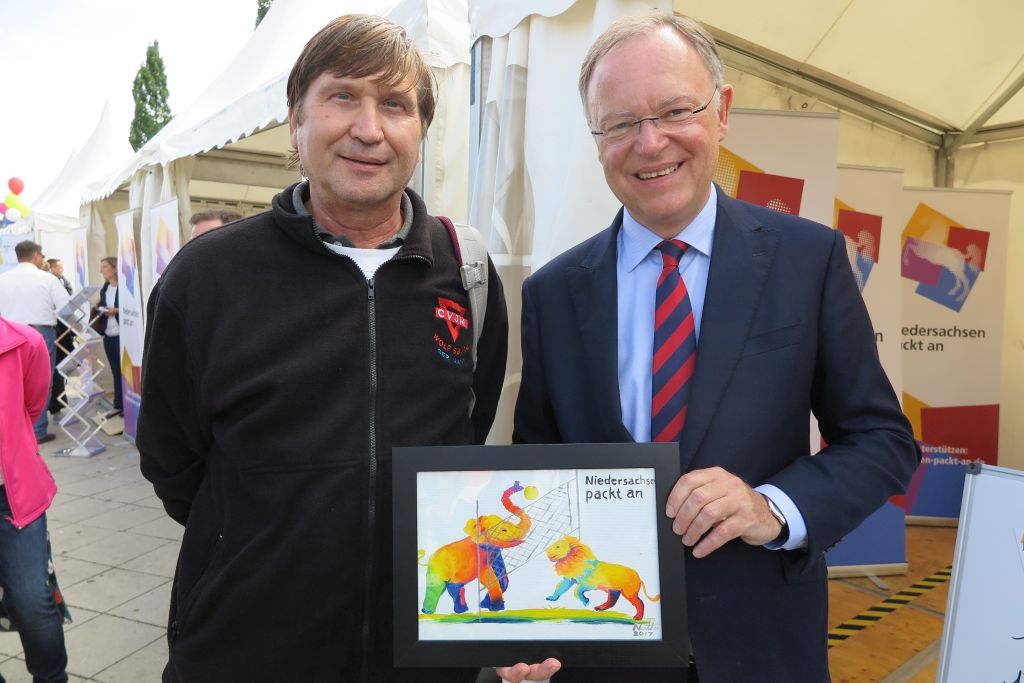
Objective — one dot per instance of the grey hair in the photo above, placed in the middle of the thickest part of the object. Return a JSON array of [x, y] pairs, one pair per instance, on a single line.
[[645, 24]]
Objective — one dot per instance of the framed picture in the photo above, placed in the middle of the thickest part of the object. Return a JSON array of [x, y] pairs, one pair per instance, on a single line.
[[506, 554]]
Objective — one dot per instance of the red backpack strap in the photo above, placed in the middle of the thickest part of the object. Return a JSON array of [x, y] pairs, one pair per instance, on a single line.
[[450, 227]]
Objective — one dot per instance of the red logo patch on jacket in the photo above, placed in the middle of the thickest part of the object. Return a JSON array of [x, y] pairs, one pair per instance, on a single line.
[[449, 348], [454, 316]]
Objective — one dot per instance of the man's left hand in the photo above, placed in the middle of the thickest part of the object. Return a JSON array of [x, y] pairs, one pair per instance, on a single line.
[[714, 506], [529, 672]]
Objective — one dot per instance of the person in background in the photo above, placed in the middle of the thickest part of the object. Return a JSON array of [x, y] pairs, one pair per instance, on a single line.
[[205, 221], [26, 491], [108, 326], [32, 297], [57, 270], [63, 343]]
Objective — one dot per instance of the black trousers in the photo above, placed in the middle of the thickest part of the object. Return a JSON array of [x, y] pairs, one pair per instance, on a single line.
[[64, 345]]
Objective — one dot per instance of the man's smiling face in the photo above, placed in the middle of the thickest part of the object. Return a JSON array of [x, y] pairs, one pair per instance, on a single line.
[[358, 140], [662, 177]]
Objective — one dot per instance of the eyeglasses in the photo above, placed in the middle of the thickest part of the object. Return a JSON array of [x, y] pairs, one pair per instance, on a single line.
[[620, 130]]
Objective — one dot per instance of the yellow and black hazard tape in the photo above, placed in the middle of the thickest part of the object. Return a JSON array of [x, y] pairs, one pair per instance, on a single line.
[[886, 607]]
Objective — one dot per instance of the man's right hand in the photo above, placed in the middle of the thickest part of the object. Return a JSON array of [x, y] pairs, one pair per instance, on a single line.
[[529, 672], [712, 507]]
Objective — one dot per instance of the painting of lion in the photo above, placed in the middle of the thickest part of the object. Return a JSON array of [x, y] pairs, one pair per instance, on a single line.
[[576, 563]]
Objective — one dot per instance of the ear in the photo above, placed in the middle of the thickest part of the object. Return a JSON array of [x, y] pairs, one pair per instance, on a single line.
[[293, 124], [724, 105]]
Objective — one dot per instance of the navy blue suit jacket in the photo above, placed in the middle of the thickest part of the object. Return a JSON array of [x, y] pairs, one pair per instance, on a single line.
[[784, 334]]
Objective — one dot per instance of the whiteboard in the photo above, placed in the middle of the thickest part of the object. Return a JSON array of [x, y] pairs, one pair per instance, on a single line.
[[983, 635]]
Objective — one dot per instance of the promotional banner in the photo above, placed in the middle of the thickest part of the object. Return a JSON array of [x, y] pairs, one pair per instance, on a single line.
[[783, 160], [8, 259], [868, 208], [953, 271], [130, 319], [164, 238], [80, 240]]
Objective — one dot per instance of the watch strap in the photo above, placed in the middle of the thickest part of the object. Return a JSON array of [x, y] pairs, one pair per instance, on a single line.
[[781, 519]]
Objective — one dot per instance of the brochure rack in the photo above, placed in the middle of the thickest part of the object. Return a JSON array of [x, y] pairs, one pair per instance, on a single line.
[[82, 394]]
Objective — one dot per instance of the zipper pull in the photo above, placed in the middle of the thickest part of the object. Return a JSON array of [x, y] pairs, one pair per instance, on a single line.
[[369, 284]]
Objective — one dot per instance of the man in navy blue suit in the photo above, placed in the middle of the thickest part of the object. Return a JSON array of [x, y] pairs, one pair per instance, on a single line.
[[772, 329]]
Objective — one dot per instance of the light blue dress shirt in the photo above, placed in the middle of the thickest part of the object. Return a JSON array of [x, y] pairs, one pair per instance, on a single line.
[[638, 267]]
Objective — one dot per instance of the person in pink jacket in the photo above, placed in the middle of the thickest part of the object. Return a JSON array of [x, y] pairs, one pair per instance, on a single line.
[[27, 488]]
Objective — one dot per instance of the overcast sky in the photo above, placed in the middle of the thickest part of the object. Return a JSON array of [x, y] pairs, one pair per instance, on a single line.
[[61, 59]]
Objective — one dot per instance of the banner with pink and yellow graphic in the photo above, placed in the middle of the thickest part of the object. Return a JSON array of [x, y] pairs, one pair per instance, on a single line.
[[130, 319], [953, 272], [868, 210], [80, 241], [164, 238]]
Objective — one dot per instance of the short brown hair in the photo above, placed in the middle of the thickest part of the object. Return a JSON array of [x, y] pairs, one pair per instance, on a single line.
[[360, 45], [26, 251], [223, 215], [631, 27]]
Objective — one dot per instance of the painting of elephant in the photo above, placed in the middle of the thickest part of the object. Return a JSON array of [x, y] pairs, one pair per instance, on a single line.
[[478, 555]]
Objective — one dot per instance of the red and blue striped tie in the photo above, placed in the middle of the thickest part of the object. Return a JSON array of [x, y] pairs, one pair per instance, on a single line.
[[675, 347]]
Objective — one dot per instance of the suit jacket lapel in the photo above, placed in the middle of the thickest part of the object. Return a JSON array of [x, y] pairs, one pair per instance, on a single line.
[[592, 286], [741, 258]]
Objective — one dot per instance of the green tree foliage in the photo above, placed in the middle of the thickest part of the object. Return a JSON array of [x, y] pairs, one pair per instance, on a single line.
[[261, 9], [150, 92]]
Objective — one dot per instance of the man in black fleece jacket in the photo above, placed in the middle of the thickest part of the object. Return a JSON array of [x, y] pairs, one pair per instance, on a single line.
[[286, 354]]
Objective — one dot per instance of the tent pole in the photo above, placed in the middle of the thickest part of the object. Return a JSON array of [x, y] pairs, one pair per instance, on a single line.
[[945, 164]]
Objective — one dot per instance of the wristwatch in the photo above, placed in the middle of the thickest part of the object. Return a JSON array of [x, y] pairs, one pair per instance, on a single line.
[[781, 519]]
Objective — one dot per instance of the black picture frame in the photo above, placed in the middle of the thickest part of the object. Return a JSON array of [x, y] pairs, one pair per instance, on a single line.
[[670, 650]]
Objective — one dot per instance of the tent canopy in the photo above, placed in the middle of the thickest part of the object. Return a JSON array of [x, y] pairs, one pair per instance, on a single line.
[[945, 72], [58, 205], [56, 212]]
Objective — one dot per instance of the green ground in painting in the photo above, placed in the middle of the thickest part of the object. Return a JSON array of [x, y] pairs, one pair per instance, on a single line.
[[533, 616]]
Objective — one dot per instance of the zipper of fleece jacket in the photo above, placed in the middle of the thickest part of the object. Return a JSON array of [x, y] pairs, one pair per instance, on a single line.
[[371, 512]]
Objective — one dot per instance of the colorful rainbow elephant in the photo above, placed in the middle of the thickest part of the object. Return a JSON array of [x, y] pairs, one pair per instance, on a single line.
[[454, 565]]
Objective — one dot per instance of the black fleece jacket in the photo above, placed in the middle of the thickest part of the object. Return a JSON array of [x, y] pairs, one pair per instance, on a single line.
[[276, 381]]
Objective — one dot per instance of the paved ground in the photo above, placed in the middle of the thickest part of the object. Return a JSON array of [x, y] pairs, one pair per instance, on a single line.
[[114, 551]]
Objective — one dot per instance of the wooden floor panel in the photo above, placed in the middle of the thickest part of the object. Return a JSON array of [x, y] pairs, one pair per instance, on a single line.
[[926, 675], [846, 601], [928, 549], [889, 644], [877, 651]]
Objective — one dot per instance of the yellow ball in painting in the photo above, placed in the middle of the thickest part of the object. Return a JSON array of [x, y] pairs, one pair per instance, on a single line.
[[530, 492]]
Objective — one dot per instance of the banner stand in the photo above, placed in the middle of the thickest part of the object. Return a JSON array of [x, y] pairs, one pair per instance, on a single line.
[[920, 520], [868, 570], [867, 213]]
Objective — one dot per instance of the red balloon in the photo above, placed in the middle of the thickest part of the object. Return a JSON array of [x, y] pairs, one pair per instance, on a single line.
[[16, 185]]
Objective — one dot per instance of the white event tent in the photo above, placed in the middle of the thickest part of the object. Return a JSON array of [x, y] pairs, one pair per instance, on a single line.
[[55, 213], [230, 146], [931, 87]]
